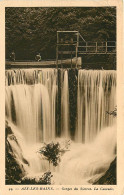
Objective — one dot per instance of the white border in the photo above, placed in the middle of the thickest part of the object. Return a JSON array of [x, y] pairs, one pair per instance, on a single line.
[[119, 188]]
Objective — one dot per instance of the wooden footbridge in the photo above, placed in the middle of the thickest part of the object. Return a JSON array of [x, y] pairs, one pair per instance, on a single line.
[[72, 44]]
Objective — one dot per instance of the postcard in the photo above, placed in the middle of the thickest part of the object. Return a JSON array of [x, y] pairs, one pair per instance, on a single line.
[[62, 97]]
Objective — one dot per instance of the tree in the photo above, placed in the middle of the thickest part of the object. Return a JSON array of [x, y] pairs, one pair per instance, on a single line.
[[52, 153]]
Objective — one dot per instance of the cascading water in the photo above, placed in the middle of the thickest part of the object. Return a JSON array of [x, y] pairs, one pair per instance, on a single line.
[[96, 95], [65, 106], [32, 106]]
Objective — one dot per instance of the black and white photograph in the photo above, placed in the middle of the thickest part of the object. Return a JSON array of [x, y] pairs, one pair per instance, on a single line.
[[60, 95]]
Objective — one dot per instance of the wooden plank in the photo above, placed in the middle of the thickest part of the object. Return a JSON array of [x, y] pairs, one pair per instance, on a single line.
[[67, 44], [42, 63], [96, 53], [82, 38], [67, 52], [106, 46], [67, 31], [96, 47]]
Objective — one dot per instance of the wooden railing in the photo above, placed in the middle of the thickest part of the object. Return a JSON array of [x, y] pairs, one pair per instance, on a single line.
[[108, 47], [72, 44]]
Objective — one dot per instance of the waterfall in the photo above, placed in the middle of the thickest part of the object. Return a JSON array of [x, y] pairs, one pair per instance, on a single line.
[[96, 95], [45, 105], [65, 105], [31, 103]]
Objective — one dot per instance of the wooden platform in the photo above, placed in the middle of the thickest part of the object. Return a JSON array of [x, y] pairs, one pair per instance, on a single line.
[[44, 64], [30, 64]]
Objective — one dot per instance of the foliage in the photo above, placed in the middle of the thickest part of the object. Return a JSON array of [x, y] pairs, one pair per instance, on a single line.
[[113, 113], [44, 180], [52, 152], [30, 30]]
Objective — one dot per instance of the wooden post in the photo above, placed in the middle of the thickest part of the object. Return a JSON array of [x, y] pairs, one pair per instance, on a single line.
[[57, 37], [102, 47], [77, 47], [115, 46], [96, 47], [71, 57], [78, 39], [106, 47], [57, 56], [86, 47], [61, 60], [76, 51], [57, 50]]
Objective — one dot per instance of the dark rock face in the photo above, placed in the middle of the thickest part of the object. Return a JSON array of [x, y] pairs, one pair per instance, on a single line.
[[73, 80], [14, 172], [110, 176]]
